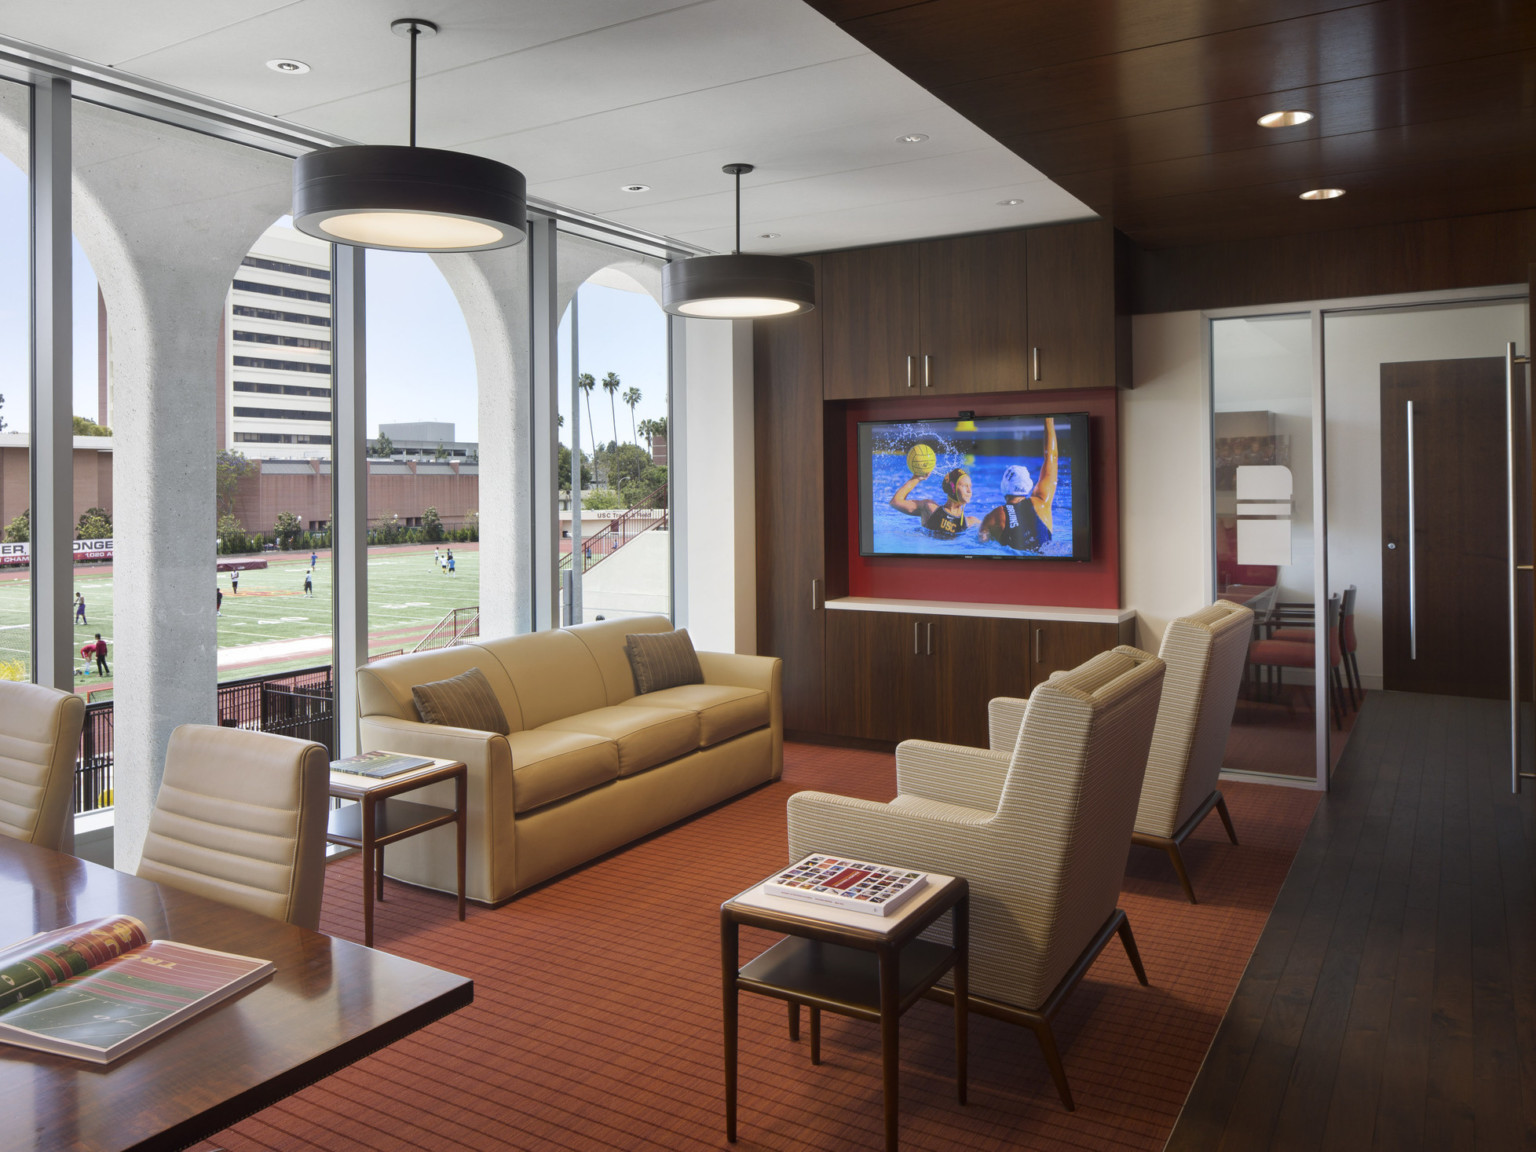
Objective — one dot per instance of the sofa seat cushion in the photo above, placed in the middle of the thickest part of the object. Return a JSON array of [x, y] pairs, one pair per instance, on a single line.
[[723, 711], [549, 766], [646, 736]]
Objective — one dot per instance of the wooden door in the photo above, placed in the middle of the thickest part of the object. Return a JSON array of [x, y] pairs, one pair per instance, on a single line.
[[791, 543], [1072, 326], [876, 679], [975, 328], [869, 303], [974, 659], [1059, 646], [1445, 590]]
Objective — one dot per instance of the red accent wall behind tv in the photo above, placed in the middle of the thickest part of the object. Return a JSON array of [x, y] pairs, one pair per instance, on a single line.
[[1064, 583]]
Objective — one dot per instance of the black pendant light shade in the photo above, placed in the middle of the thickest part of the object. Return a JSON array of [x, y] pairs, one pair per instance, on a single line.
[[738, 286], [409, 199]]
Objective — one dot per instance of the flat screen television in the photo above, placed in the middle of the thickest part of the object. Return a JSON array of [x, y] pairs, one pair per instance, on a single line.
[[983, 488]]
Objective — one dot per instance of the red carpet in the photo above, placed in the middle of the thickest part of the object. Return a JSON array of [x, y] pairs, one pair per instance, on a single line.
[[596, 1021]]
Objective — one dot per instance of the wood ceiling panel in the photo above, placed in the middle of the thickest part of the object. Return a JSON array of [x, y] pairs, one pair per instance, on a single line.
[[1146, 110]]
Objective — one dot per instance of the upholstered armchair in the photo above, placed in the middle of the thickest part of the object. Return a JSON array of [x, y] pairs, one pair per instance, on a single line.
[[1206, 653], [39, 741], [1040, 828], [240, 818]]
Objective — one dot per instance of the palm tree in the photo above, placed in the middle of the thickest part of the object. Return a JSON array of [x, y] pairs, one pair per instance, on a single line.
[[586, 382], [647, 426], [632, 398], [611, 386]]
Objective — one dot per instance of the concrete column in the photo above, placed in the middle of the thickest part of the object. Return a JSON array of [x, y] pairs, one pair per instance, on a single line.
[[166, 216]]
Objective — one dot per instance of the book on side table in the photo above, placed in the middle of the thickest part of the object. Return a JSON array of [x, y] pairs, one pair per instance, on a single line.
[[839, 882], [380, 765], [100, 988]]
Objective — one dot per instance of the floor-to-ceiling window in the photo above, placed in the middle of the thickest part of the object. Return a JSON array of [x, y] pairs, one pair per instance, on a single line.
[[15, 407]]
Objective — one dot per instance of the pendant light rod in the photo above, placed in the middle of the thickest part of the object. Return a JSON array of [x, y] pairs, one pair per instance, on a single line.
[[413, 28], [738, 171]]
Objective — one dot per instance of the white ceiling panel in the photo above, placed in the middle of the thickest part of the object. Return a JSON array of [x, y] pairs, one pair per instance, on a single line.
[[585, 96]]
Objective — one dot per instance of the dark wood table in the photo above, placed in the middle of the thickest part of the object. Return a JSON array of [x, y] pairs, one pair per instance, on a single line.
[[330, 1003], [855, 964], [377, 820]]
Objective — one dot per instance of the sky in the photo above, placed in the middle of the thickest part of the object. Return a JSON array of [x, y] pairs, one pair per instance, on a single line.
[[421, 365]]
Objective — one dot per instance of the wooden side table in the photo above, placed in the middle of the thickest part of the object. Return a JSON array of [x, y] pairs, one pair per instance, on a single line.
[[378, 820], [853, 963]]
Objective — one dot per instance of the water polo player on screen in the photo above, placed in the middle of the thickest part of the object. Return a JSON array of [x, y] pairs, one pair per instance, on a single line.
[[946, 520], [1023, 520]]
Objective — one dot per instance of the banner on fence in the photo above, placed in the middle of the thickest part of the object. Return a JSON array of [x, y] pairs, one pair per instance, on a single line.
[[21, 554]]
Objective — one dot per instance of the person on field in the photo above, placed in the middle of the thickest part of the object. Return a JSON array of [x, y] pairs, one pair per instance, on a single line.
[[100, 649], [309, 585], [218, 601], [80, 610], [234, 581]]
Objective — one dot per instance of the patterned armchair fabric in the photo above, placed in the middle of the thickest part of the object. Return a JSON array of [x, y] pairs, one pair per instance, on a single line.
[[1041, 829]]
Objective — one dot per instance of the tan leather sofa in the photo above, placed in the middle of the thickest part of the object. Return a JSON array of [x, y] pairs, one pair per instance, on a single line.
[[587, 766]]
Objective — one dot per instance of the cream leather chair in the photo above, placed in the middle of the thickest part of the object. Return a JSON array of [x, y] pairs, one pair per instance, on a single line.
[[240, 818], [1040, 828], [39, 742], [1205, 653]]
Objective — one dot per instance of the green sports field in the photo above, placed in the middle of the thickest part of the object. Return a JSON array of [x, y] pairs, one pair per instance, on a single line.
[[270, 625]]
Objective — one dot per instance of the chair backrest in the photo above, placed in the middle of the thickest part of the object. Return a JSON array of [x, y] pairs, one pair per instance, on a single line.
[[39, 742], [1068, 803], [1205, 653], [240, 818], [1347, 619]]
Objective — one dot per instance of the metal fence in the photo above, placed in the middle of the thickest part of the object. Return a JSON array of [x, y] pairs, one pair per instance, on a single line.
[[299, 704]]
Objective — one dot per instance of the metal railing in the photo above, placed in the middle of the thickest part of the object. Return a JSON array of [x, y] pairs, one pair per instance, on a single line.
[[299, 704], [644, 515], [455, 628]]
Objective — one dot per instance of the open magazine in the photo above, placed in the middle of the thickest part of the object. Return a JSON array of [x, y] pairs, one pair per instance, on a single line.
[[843, 883], [100, 988], [380, 765]]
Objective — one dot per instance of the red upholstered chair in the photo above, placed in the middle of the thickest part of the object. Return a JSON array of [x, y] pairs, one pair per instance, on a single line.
[[1275, 652], [1350, 665]]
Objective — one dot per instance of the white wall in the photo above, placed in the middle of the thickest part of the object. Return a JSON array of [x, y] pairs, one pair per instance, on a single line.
[[1165, 542]]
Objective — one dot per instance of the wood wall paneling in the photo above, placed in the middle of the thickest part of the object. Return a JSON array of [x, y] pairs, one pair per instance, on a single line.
[[870, 303]]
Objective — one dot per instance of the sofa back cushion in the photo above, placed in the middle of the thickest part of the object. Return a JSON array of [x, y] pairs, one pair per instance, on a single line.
[[462, 701], [553, 674], [384, 687], [606, 641]]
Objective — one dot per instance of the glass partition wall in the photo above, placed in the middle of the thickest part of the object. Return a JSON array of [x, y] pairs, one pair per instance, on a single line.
[[15, 389]]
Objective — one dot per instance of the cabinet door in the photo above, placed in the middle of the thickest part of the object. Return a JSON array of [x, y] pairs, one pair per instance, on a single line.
[[869, 302], [1072, 333], [1058, 646], [974, 314], [790, 493], [872, 675], [974, 659]]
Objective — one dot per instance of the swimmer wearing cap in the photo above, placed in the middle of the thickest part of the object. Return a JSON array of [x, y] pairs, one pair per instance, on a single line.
[[946, 520], [1023, 520]]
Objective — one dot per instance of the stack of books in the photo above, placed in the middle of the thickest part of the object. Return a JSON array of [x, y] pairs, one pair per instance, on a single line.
[[839, 882], [380, 765]]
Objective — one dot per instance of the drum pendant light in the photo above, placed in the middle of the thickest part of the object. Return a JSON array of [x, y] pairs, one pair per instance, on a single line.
[[738, 286], [409, 199]]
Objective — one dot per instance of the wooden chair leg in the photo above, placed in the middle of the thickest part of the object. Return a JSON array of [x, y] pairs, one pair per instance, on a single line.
[[1353, 663], [1131, 951], [1226, 817], [1053, 1062], [1177, 857]]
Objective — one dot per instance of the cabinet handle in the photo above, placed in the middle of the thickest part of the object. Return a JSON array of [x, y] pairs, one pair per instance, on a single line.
[[930, 639], [1037, 644], [914, 638], [814, 582], [927, 370], [909, 371], [1034, 362]]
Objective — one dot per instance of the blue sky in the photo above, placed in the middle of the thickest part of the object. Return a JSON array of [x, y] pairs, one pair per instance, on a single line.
[[421, 365]]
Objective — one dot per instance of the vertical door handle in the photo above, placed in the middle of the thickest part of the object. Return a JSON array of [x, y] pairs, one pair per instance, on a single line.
[[930, 639], [1037, 644], [927, 370], [914, 638], [1034, 363], [909, 371], [1413, 563]]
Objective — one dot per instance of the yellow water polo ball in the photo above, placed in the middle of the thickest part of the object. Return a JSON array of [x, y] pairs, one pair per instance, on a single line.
[[921, 460]]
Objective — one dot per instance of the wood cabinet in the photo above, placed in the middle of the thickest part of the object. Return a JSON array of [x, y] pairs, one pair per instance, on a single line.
[[896, 676], [995, 312]]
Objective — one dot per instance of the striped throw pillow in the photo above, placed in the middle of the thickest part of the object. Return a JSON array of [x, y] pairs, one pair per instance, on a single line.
[[465, 701], [663, 660]]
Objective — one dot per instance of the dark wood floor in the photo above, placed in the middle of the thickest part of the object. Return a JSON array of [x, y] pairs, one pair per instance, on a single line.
[[1391, 1001]]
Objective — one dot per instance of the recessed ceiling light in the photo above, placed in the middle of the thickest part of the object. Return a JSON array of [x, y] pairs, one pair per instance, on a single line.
[[291, 67], [1323, 194], [911, 138], [1284, 118], [635, 188], [768, 235], [1009, 203]]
